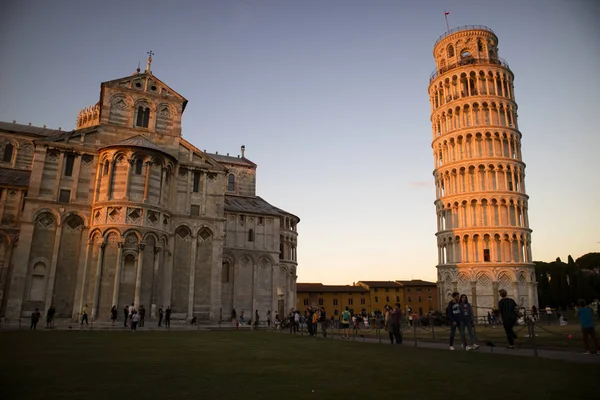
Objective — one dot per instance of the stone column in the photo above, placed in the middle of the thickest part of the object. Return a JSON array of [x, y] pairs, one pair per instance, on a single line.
[[59, 172], [130, 163], [19, 274], [117, 284], [188, 197], [530, 294], [76, 172], [168, 272], [138, 275], [147, 183], [37, 170], [495, 293], [97, 280], [81, 278], [160, 191], [111, 168], [192, 274], [96, 194], [516, 291], [474, 299], [216, 282], [2, 204], [6, 268], [53, 262], [204, 185], [157, 254]]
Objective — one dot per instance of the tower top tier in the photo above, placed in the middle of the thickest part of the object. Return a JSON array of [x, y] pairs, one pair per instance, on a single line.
[[465, 45]]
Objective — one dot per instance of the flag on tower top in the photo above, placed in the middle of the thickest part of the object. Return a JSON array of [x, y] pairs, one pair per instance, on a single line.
[[446, 12]]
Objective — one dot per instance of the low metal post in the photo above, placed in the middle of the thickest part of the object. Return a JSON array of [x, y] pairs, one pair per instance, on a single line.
[[378, 327], [532, 330], [432, 322], [415, 332]]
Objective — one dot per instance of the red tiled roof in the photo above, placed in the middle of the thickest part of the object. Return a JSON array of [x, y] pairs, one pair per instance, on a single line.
[[417, 282], [381, 284], [319, 287]]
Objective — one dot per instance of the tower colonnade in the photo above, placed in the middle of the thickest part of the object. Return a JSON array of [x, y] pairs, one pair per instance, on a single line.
[[483, 234]]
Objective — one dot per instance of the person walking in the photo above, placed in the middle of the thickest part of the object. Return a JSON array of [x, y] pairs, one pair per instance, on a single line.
[[387, 321], [135, 318], [142, 315], [467, 322], [256, 320], [160, 315], [396, 320], [84, 315], [168, 317], [508, 313], [113, 315], [346, 323], [50, 317], [454, 317], [586, 318], [125, 316], [35, 318], [269, 319], [323, 321]]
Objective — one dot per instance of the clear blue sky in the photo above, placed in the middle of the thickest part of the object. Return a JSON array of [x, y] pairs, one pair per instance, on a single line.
[[330, 99]]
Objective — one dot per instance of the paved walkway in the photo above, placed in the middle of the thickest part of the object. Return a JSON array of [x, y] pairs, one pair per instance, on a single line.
[[180, 326], [500, 349]]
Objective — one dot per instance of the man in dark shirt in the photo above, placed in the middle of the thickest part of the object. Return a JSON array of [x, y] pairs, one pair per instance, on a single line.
[[35, 317], [168, 317], [454, 318], [508, 312]]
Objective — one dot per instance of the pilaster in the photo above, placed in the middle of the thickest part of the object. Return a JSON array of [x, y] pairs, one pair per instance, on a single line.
[[19, 275]]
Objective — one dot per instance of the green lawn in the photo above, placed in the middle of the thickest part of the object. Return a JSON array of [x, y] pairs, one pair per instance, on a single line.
[[265, 365]]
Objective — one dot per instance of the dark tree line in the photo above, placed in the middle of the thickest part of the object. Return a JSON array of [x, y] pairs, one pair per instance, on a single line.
[[561, 284]]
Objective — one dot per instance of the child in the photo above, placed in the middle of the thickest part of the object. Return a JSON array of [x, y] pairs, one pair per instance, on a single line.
[[587, 325]]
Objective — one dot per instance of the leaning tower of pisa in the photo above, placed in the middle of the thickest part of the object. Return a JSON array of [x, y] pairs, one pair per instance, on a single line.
[[483, 234]]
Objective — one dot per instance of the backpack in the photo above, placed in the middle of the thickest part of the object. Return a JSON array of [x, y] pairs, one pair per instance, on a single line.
[[345, 316]]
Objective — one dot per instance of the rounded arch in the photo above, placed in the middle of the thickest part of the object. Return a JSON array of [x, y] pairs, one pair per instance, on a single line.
[[40, 211], [245, 257], [119, 96], [108, 231], [143, 101], [505, 272], [65, 217], [152, 235], [266, 260], [95, 232], [130, 253]]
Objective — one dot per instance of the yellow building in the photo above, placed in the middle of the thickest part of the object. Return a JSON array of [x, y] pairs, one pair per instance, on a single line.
[[382, 293], [420, 296], [334, 298]]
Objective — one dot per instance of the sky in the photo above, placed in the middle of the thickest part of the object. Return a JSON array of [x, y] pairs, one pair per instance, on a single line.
[[330, 99]]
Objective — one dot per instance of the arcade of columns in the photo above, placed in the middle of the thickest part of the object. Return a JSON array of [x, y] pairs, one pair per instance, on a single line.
[[483, 230]]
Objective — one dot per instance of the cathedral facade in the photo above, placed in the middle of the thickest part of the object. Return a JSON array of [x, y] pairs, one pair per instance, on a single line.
[[124, 210]]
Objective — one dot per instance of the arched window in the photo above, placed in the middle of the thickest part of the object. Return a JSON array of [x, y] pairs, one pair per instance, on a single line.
[[143, 117], [138, 166], [251, 235], [8, 153], [105, 168], [37, 290], [231, 183], [450, 51]]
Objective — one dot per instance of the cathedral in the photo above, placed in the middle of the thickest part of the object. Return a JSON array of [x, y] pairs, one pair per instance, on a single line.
[[124, 210]]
